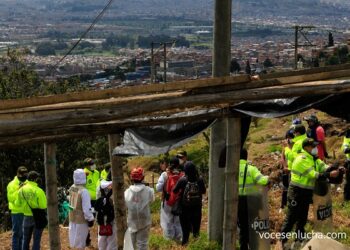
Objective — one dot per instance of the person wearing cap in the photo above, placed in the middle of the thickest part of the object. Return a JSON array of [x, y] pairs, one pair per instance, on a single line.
[[31, 196], [306, 169], [346, 150], [169, 223], [317, 133], [138, 198], [299, 132], [182, 156], [80, 216], [16, 211], [92, 178]]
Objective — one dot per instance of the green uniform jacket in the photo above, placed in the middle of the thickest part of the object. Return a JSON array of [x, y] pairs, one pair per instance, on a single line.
[[297, 146], [305, 170], [92, 180], [12, 195], [346, 144], [253, 178], [288, 155], [31, 195], [104, 174]]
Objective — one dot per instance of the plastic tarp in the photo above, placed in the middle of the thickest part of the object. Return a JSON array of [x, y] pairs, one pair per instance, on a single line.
[[156, 140]]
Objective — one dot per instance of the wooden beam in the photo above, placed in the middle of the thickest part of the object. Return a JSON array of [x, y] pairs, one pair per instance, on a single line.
[[118, 188], [51, 194], [233, 147], [124, 111], [120, 92]]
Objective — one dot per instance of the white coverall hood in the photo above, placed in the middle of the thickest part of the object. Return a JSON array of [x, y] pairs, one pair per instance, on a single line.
[[79, 177]]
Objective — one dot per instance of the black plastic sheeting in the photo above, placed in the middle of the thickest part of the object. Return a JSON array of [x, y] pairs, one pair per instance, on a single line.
[[160, 139]]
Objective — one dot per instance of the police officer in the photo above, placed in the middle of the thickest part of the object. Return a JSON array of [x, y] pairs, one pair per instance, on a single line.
[[105, 171], [346, 151], [16, 211], [306, 169], [287, 166], [249, 177], [31, 196], [92, 179]]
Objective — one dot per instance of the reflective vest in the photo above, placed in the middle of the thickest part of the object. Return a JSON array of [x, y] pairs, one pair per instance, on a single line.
[[305, 170], [346, 144], [288, 155], [253, 178], [12, 195], [297, 146], [104, 174], [31, 196], [92, 181], [76, 214]]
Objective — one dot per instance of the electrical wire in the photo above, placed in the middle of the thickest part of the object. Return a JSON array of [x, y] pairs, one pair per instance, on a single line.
[[97, 18]]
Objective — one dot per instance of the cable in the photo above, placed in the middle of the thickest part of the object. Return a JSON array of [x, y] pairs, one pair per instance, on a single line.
[[97, 18]]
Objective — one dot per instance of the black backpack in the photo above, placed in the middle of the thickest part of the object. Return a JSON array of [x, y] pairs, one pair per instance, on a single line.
[[104, 207], [192, 195]]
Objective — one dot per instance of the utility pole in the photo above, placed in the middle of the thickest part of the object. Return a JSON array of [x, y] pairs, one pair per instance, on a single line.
[[300, 30], [164, 66], [152, 62]]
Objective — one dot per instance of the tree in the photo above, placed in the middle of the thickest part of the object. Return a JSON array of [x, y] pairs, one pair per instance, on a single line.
[[268, 63], [333, 60], [343, 54], [45, 49], [235, 67]]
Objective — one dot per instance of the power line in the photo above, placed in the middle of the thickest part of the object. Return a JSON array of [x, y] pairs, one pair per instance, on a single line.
[[97, 18]]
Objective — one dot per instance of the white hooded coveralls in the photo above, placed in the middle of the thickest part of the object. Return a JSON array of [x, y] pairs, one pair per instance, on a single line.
[[79, 231], [137, 199]]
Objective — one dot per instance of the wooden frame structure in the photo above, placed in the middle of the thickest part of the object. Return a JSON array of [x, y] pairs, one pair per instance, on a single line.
[[73, 115]]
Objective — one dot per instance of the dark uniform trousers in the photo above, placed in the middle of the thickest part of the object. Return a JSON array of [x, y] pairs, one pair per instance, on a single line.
[[298, 203]]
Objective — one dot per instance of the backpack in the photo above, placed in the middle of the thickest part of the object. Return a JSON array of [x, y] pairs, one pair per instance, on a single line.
[[192, 195], [104, 208], [170, 197]]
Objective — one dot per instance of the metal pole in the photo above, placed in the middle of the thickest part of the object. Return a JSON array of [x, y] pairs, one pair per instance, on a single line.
[[221, 67], [152, 62], [164, 68], [296, 47], [51, 194]]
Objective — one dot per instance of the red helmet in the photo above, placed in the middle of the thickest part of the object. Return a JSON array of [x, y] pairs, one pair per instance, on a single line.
[[137, 174]]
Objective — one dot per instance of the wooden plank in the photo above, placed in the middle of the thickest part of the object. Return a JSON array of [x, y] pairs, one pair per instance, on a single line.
[[120, 92], [28, 121]]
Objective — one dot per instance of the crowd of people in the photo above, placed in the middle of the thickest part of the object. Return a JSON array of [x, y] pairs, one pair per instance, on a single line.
[[182, 188]]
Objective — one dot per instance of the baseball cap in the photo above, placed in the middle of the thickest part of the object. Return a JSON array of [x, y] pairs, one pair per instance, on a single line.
[[309, 142], [181, 153], [22, 171], [311, 118]]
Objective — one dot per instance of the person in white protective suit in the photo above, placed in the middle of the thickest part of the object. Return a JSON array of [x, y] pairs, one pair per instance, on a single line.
[[80, 216], [170, 223], [105, 216], [138, 198]]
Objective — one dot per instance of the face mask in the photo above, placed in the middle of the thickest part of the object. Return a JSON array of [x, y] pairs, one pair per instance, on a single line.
[[314, 151], [93, 167], [22, 178]]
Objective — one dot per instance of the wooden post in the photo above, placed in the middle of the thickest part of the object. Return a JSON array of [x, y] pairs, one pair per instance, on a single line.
[[221, 67], [216, 176], [118, 189], [233, 147], [51, 194]]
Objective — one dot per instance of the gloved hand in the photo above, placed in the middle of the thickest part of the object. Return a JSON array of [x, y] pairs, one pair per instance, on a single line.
[[347, 151], [90, 223]]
